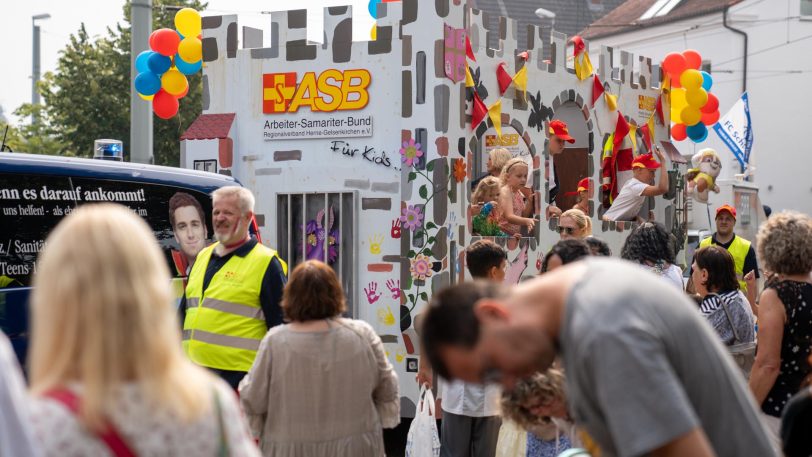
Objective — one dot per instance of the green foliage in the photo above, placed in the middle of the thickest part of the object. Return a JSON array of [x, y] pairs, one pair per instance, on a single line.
[[88, 96]]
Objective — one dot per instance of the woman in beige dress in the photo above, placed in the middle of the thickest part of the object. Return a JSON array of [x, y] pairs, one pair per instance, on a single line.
[[321, 385]]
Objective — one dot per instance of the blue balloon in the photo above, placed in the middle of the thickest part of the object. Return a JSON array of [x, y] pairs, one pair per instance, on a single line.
[[158, 64], [707, 81], [185, 67], [373, 8], [141, 61], [147, 83], [697, 132]]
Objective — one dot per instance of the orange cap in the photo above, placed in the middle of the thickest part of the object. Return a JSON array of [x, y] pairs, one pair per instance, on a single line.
[[559, 129], [727, 208], [645, 161], [584, 184]]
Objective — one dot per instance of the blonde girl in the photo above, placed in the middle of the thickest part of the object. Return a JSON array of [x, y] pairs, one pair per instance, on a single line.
[[511, 200], [105, 338], [574, 224], [484, 207]]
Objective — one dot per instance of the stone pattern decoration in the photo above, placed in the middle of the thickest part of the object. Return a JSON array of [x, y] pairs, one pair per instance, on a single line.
[[412, 216]]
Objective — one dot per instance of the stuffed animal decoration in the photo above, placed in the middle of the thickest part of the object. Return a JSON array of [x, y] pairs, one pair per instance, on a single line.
[[317, 234], [702, 177]]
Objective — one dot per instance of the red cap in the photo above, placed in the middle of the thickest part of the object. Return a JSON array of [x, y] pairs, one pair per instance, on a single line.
[[727, 208], [645, 161], [559, 129], [584, 184]]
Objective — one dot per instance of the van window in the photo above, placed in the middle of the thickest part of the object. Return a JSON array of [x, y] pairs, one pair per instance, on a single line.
[[32, 205]]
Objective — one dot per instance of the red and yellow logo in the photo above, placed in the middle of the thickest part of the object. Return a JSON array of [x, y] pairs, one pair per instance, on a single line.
[[330, 90]]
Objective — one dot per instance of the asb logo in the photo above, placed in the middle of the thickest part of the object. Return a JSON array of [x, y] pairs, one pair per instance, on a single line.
[[331, 90]]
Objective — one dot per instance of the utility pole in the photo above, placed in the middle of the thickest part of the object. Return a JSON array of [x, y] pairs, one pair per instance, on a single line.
[[140, 110], [35, 71]]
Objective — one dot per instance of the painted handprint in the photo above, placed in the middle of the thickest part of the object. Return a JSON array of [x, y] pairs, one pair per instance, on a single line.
[[400, 354], [372, 292], [385, 316], [375, 244], [394, 286], [396, 228], [451, 225]]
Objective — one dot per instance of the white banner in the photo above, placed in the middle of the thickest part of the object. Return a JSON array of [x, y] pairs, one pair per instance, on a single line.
[[736, 130]]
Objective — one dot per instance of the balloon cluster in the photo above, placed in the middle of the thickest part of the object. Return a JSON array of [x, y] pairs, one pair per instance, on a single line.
[[173, 55], [693, 106]]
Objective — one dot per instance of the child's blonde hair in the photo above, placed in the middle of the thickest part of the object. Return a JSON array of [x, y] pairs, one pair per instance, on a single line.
[[487, 185], [548, 385], [511, 164], [499, 157]]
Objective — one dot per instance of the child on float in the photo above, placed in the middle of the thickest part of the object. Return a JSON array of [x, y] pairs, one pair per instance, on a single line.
[[512, 202], [484, 204]]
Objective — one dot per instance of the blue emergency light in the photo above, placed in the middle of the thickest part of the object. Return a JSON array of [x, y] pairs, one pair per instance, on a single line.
[[108, 150]]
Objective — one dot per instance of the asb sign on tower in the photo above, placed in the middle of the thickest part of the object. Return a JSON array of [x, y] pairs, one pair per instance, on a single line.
[[309, 96]]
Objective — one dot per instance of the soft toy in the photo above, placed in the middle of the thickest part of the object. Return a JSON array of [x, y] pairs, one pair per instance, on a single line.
[[702, 177]]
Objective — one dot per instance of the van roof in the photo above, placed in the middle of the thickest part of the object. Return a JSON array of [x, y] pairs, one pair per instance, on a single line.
[[107, 169]]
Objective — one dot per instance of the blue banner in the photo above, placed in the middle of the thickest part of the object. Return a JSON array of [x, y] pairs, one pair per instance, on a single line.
[[736, 130]]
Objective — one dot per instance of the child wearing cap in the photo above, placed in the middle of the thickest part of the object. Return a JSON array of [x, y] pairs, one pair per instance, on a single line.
[[632, 195], [582, 203]]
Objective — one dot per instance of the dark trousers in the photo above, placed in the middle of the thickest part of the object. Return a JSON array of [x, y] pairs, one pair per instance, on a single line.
[[233, 378], [465, 436]]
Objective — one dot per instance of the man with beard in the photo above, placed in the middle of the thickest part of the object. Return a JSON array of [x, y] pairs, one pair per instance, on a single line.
[[645, 374], [234, 291]]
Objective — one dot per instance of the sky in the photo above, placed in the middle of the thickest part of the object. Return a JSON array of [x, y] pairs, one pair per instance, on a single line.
[[16, 33]]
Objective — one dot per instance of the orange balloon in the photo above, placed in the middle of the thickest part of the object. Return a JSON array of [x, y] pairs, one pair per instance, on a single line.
[[710, 118], [692, 59]]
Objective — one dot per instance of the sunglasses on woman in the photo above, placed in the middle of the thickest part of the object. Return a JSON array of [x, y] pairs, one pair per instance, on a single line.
[[568, 230]]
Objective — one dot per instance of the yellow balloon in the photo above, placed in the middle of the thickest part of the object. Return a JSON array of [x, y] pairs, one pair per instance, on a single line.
[[188, 23], [191, 49], [373, 34], [678, 103], [691, 116], [696, 98], [174, 82], [145, 97], [689, 79]]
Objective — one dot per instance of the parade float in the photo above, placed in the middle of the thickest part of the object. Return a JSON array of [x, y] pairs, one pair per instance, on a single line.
[[361, 153]]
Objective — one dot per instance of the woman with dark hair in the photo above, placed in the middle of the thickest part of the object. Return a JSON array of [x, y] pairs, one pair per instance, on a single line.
[[714, 276], [321, 385], [784, 313], [650, 245]]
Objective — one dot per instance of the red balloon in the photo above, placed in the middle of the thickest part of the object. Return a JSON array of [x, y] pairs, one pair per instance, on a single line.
[[675, 84], [165, 105], [692, 59], [678, 132], [710, 118], [712, 104], [165, 42], [674, 64]]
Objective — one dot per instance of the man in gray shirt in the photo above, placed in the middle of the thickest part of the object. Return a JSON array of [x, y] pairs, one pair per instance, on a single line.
[[646, 375]]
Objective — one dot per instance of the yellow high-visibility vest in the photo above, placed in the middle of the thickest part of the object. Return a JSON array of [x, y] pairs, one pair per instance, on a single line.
[[738, 249], [224, 325]]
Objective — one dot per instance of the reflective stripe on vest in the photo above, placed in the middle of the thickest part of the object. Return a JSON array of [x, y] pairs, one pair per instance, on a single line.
[[738, 249], [224, 325]]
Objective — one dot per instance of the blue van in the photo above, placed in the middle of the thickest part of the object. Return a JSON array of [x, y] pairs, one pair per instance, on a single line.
[[37, 191]]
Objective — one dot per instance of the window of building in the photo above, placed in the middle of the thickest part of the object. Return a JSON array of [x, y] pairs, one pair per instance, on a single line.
[[806, 7], [659, 8], [320, 226], [206, 165]]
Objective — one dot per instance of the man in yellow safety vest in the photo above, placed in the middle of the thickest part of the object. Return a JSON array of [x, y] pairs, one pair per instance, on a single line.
[[744, 256], [234, 291]]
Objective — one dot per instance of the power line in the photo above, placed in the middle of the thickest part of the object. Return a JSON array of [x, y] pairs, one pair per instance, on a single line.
[[806, 37]]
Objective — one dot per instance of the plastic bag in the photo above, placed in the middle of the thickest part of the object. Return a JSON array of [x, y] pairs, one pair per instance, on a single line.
[[423, 439]]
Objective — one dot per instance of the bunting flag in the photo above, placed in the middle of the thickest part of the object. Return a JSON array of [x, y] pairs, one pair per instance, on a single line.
[[646, 133], [621, 131], [633, 137], [479, 111], [503, 77], [583, 66], [611, 101], [525, 55], [659, 111], [520, 80], [597, 89], [468, 51], [469, 80], [495, 113]]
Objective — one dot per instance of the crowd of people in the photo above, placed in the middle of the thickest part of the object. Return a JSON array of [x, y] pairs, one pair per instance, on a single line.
[[614, 356]]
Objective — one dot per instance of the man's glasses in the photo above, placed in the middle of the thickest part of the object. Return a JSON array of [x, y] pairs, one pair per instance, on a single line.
[[568, 230]]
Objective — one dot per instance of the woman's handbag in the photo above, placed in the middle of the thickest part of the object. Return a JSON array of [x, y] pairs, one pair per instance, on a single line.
[[743, 353]]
